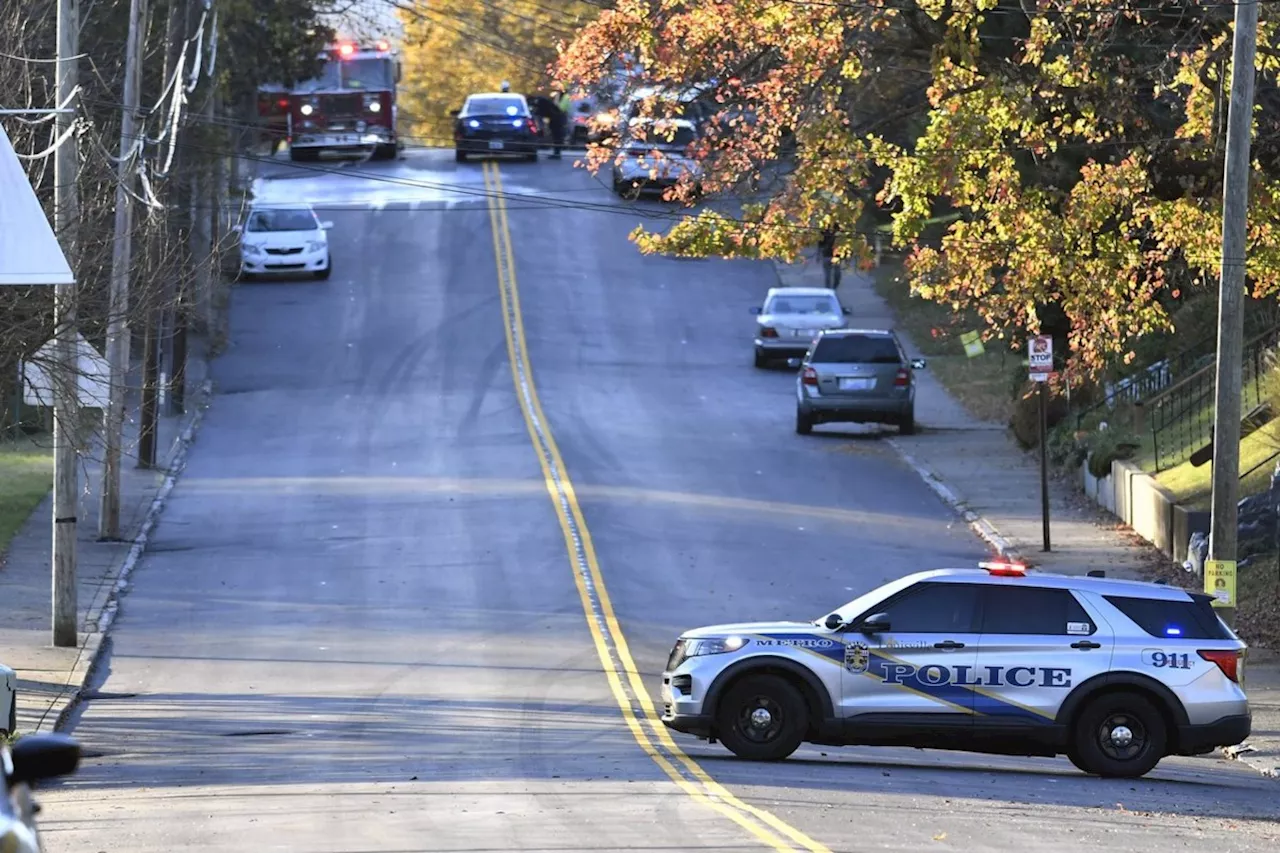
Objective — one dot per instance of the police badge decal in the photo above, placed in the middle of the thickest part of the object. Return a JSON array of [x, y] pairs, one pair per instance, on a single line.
[[856, 657]]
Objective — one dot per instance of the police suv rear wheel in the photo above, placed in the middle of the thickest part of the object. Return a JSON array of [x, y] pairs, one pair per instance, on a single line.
[[762, 718], [1119, 735]]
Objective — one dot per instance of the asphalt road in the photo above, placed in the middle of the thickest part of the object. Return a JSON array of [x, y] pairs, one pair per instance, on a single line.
[[371, 621]]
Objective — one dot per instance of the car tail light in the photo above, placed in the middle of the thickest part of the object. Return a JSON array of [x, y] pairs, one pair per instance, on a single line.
[[533, 126], [903, 379], [1227, 661], [768, 332], [809, 377]]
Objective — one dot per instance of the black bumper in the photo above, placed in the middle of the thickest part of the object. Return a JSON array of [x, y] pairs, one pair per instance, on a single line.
[[1228, 731], [510, 145], [698, 725]]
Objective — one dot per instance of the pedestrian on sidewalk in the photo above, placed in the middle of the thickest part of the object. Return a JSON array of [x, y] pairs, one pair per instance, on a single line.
[[827, 250]]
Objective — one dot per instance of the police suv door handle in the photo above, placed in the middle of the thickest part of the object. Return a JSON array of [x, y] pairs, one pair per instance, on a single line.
[[1086, 644], [948, 644]]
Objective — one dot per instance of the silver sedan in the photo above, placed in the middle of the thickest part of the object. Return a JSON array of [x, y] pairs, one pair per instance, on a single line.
[[791, 318]]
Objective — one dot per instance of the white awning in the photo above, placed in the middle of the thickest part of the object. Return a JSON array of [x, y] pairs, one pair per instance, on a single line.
[[29, 251]]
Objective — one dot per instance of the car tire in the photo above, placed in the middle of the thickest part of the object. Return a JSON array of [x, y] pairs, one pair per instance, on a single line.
[[1095, 729], [459, 155], [907, 426], [804, 422], [771, 737], [761, 359], [327, 271]]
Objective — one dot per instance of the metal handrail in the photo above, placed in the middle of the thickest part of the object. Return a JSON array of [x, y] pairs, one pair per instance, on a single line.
[[1175, 407]]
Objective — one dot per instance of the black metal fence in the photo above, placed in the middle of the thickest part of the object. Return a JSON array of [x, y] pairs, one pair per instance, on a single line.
[[1150, 381], [1180, 418]]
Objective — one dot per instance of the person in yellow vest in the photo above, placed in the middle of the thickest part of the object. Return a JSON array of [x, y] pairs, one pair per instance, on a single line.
[[559, 120]]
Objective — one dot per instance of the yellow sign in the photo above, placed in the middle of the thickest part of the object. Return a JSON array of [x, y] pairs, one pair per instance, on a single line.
[[972, 344], [1220, 582]]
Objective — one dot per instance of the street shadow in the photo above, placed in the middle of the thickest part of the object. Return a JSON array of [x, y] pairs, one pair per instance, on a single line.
[[166, 740]]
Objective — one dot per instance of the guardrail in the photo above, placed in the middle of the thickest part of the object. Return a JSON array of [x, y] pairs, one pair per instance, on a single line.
[[1180, 418]]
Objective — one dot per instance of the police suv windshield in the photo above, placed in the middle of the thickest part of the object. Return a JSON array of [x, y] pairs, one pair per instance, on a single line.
[[495, 106], [867, 600]]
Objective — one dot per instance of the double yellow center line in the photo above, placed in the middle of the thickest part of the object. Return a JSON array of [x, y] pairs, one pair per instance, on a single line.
[[637, 707]]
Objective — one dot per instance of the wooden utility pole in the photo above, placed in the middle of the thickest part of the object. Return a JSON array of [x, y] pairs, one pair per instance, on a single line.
[[118, 348], [66, 385], [1235, 223], [155, 311]]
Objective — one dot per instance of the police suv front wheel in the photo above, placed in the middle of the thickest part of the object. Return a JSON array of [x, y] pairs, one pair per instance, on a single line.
[[762, 718], [1119, 735]]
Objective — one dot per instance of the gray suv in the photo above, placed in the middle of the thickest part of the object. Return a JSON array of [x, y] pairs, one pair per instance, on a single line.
[[857, 376], [1113, 674]]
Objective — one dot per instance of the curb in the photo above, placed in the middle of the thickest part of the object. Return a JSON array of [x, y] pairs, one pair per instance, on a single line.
[[92, 647], [985, 530]]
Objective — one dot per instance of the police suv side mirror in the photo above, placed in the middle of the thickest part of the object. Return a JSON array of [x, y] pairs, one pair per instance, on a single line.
[[846, 311], [833, 622], [917, 364], [876, 623], [44, 756]]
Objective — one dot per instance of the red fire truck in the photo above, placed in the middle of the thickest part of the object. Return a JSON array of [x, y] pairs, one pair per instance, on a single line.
[[350, 107]]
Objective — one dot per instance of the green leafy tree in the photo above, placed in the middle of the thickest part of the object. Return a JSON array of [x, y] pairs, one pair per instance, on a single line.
[[455, 47], [1078, 145]]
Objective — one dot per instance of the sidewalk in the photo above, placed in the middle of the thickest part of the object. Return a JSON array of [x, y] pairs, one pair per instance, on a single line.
[[49, 678], [977, 468]]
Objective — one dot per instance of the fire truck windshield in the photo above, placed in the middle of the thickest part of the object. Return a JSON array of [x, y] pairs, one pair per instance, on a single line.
[[374, 74]]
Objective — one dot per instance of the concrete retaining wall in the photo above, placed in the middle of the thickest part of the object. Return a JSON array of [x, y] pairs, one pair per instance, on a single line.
[[1142, 503]]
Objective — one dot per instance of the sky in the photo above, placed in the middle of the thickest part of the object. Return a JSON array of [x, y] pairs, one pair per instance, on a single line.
[[369, 20]]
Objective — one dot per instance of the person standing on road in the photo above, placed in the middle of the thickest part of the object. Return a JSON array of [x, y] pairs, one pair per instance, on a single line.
[[559, 120], [827, 249], [544, 108]]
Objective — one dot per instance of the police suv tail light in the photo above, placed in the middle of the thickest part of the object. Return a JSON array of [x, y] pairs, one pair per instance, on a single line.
[[809, 377], [903, 379], [767, 331], [1003, 569], [1227, 661]]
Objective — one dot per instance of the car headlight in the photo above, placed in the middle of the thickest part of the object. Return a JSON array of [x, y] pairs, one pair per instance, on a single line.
[[253, 249], [306, 109], [714, 646], [315, 245]]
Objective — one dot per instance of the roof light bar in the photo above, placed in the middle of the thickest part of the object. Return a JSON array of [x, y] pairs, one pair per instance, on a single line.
[[1004, 568]]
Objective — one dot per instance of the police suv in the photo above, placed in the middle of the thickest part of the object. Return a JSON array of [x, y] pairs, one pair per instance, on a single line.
[[1113, 674]]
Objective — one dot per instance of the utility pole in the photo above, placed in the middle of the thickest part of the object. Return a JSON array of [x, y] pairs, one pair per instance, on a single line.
[[118, 348], [66, 388], [155, 311], [1220, 570]]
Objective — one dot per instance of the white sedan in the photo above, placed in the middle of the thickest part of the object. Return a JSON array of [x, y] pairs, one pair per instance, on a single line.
[[284, 239], [653, 155]]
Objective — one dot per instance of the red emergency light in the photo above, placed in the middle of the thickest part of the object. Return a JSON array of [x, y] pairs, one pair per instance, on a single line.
[[1004, 569], [382, 45], [346, 49]]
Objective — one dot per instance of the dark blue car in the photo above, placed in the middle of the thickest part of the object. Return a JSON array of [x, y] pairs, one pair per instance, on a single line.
[[495, 123]]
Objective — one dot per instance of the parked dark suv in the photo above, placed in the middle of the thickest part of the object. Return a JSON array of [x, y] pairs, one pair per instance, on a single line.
[[857, 376]]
